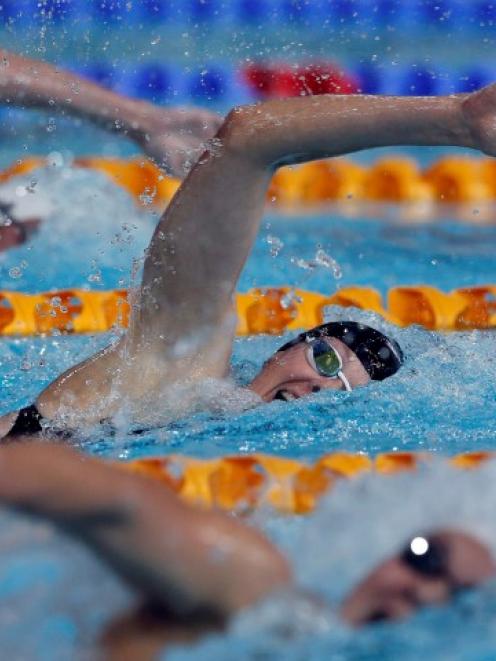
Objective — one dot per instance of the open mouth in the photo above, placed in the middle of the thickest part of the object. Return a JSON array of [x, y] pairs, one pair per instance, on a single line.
[[284, 396]]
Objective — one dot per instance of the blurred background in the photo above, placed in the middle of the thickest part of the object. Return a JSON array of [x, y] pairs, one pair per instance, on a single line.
[[227, 51], [224, 52]]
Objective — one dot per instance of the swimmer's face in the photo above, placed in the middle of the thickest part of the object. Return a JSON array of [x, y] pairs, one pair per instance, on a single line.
[[398, 587], [11, 236], [17, 233], [289, 375]]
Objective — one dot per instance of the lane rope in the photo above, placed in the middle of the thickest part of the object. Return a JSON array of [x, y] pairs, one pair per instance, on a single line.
[[458, 180], [247, 482], [270, 310]]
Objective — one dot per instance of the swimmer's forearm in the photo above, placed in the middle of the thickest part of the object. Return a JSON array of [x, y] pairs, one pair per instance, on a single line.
[[300, 129], [35, 84], [180, 557]]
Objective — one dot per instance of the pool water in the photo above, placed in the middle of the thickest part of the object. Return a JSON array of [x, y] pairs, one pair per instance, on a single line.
[[442, 400]]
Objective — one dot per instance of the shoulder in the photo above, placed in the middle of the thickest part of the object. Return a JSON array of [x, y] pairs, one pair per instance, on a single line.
[[7, 421]]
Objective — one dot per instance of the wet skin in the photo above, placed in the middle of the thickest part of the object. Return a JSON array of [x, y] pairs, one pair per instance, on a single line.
[[394, 590], [17, 233], [289, 375]]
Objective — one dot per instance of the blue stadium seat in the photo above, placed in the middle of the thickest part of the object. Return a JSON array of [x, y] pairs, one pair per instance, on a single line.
[[484, 13], [252, 11], [153, 82], [343, 11], [109, 11], [369, 79], [54, 11], [154, 10], [473, 79], [391, 14], [205, 10], [294, 11], [210, 84], [444, 14], [418, 81], [16, 11], [102, 73]]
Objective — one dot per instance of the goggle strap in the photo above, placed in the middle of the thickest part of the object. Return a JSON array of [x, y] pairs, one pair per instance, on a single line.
[[344, 381]]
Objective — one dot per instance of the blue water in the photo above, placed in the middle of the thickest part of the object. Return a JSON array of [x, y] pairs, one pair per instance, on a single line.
[[442, 400]]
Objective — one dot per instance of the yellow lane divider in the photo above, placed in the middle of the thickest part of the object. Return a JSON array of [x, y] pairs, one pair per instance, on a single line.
[[451, 179], [271, 310], [244, 483]]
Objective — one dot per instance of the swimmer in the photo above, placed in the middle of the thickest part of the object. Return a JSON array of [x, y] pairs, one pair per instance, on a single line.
[[13, 230], [203, 567], [183, 319], [27, 83]]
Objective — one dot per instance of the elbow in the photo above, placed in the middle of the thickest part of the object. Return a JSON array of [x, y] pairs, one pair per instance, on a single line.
[[240, 131]]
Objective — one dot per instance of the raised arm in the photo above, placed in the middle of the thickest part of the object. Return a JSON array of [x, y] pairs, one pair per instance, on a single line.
[[207, 232]]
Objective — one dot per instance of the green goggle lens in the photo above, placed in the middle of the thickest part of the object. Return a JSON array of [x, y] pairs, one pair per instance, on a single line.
[[326, 359]]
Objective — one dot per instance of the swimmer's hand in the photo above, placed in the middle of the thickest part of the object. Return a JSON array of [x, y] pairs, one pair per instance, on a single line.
[[479, 115], [175, 138]]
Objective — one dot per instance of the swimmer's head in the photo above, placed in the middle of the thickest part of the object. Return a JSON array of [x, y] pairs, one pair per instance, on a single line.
[[339, 355], [427, 571]]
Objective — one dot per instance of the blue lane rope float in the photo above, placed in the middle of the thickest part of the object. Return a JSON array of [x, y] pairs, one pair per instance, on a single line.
[[416, 15], [222, 83]]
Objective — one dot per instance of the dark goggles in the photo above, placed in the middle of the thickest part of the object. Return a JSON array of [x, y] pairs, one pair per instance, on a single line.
[[326, 360], [427, 557]]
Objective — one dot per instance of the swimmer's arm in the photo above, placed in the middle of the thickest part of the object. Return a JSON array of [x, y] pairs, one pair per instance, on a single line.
[[186, 560], [166, 134], [36, 84], [207, 232]]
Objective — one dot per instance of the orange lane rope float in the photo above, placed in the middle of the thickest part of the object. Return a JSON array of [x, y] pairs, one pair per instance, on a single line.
[[264, 310], [243, 483], [451, 179]]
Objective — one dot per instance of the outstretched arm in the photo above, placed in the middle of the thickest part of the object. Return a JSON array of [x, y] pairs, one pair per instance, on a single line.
[[184, 559], [171, 136]]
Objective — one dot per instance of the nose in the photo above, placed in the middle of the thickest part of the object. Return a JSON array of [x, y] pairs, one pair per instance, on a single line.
[[316, 388]]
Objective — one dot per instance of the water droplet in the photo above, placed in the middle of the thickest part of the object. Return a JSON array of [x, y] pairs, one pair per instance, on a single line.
[[31, 186], [328, 262], [55, 159], [289, 299], [276, 245], [148, 196]]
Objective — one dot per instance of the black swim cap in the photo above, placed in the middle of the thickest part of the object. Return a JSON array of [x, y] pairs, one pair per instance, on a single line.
[[380, 355]]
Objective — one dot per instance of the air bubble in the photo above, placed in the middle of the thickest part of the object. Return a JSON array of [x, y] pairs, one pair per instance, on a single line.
[[276, 245]]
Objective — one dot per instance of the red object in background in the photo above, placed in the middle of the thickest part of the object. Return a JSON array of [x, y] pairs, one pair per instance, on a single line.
[[278, 81]]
